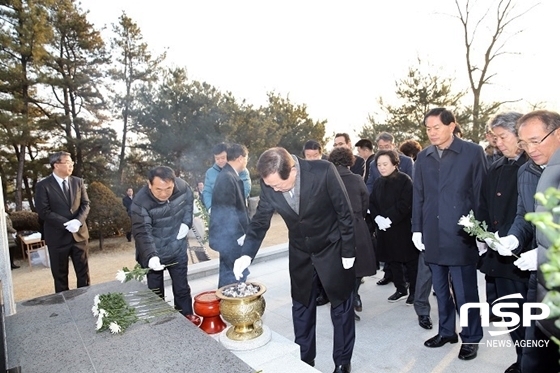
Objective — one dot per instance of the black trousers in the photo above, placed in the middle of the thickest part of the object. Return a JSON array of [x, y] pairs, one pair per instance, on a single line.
[[78, 253], [179, 284], [399, 276], [465, 290], [506, 286], [305, 322]]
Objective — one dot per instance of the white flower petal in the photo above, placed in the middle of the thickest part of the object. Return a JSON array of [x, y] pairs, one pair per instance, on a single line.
[[95, 310], [99, 323], [121, 275], [96, 300], [102, 313], [114, 327]]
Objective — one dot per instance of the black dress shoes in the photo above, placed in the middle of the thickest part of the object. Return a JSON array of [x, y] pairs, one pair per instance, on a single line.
[[494, 318], [397, 296], [358, 303], [356, 317], [513, 368], [14, 266], [439, 341], [384, 281], [425, 322], [468, 351], [345, 368]]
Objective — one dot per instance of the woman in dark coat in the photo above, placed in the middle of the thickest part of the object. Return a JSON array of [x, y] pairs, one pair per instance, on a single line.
[[365, 264], [390, 204]]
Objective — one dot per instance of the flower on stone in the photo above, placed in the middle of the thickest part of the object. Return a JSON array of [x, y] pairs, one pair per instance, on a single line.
[[96, 300], [114, 328], [475, 228], [121, 275], [95, 310], [99, 323]]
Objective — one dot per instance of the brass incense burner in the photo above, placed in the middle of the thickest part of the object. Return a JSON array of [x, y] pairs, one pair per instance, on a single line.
[[243, 313]]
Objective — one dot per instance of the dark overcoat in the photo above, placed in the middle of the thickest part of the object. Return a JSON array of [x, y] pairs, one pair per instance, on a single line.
[[445, 189], [498, 208], [392, 198], [365, 262], [319, 236], [229, 218]]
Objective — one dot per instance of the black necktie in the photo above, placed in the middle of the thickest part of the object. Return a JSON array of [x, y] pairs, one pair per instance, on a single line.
[[66, 191]]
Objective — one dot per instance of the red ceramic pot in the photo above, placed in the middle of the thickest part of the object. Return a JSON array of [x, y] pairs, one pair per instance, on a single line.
[[207, 305]]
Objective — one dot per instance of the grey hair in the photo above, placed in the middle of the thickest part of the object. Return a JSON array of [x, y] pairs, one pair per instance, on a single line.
[[506, 121], [385, 136]]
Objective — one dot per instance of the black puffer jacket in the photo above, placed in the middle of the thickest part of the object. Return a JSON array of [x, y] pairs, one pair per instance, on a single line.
[[155, 224]]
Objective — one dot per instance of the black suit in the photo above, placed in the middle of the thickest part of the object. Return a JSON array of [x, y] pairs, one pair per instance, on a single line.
[[54, 210], [320, 235]]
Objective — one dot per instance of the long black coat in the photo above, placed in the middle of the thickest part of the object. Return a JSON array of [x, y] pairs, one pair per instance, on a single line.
[[498, 208], [319, 236], [445, 189], [392, 198], [365, 263]]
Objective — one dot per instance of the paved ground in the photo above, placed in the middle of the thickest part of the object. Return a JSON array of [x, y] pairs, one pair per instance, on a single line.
[[388, 338]]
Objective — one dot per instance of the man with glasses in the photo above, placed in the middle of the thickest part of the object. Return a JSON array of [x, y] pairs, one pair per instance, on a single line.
[[63, 206], [540, 138]]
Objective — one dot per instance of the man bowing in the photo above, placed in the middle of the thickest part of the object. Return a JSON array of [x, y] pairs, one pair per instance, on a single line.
[[312, 200]]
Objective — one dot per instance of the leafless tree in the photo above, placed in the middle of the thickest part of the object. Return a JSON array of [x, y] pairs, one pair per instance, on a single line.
[[500, 19]]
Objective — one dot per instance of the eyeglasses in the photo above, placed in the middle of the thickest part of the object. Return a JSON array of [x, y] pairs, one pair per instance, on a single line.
[[69, 163], [525, 145]]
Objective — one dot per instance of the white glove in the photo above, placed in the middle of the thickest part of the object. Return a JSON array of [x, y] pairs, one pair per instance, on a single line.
[[183, 230], [348, 263], [382, 222], [14, 235], [482, 247], [155, 264], [527, 261], [73, 225], [506, 244], [417, 240], [241, 240], [240, 265], [389, 222]]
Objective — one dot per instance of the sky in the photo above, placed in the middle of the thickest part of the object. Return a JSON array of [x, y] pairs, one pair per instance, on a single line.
[[338, 57]]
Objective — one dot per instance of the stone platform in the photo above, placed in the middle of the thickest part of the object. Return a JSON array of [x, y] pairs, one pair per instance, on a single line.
[[56, 333]]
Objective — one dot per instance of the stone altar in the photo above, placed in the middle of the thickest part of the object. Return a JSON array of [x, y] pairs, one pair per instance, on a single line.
[[56, 333]]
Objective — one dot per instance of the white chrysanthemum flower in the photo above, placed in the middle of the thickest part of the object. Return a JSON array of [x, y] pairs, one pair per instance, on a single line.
[[96, 300], [99, 323], [121, 275], [465, 221], [114, 327], [102, 313], [95, 310]]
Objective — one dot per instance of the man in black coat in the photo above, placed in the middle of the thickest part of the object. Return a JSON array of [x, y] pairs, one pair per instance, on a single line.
[[229, 218], [498, 207], [447, 181], [312, 200], [63, 206]]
